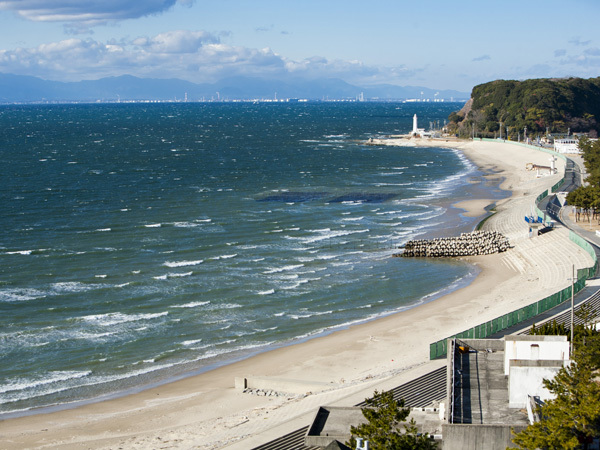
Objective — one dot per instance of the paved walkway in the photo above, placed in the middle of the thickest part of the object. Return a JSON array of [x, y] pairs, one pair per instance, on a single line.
[[546, 260]]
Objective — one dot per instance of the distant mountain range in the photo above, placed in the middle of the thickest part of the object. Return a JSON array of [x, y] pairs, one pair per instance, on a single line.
[[28, 89]]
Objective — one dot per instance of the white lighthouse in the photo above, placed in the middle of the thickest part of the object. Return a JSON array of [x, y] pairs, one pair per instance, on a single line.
[[416, 131]]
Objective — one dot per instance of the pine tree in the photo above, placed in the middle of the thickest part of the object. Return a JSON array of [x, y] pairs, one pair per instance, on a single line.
[[384, 416], [572, 418]]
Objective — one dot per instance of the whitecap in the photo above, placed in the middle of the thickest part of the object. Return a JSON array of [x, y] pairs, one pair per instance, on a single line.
[[153, 225], [183, 263], [352, 219], [224, 257], [117, 318], [191, 305], [267, 292], [20, 295], [283, 269], [72, 286]]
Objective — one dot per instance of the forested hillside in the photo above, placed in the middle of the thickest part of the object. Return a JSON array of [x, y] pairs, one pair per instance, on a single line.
[[556, 106]]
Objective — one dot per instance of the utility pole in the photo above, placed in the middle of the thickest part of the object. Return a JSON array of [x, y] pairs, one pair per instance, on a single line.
[[572, 307]]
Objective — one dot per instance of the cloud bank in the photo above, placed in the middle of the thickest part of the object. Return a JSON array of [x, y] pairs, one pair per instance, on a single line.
[[89, 11], [196, 56]]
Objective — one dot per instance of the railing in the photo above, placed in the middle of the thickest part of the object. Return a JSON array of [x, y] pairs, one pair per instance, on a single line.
[[438, 349], [450, 413]]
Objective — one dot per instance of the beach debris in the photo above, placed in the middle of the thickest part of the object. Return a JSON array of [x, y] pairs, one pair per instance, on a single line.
[[467, 244], [270, 393]]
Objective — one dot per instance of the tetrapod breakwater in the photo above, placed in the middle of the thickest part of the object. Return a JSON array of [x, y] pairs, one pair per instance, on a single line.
[[467, 244]]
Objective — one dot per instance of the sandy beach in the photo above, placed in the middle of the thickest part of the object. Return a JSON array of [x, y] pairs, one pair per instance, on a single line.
[[206, 411]]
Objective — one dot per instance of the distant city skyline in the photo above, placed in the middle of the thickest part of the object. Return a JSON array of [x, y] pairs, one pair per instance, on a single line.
[[429, 43]]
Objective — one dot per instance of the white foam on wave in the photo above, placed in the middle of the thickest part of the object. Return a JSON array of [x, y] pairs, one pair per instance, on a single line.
[[230, 306], [308, 314], [296, 285], [283, 269], [183, 263], [329, 234], [109, 319], [267, 292], [352, 219], [22, 384], [216, 258], [327, 257], [191, 342], [173, 275], [191, 305], [20, 295], [20, 252], [73, 286], [180, 275], [153, 225], [59, 381]]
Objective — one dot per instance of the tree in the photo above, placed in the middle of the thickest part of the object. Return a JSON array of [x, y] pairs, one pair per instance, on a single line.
[[384, 416], [572, 418], [588, 196]]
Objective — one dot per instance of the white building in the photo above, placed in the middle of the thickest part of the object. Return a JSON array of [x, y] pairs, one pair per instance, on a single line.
[[569, 145]]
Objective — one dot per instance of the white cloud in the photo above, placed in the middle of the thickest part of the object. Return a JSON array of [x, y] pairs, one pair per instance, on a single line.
[[193, 55], [89, 11], [179, 41], [196, 56]]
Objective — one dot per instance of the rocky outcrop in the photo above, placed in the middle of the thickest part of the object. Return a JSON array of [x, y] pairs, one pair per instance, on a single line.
[[467, 244]]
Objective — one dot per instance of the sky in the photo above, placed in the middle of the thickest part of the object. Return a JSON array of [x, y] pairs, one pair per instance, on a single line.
[[431, 43]]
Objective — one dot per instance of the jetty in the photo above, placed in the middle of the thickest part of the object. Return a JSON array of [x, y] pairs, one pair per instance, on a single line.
[[467, 244]]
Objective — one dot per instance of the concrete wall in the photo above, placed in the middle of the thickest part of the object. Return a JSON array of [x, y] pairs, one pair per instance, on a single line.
[[485, 344], [526, 378], [535, 348], [477, 437]]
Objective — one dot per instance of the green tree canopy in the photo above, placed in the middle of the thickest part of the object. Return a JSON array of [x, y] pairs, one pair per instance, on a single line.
[[589, 195], [538, 104], [572, 418], [383, 427]]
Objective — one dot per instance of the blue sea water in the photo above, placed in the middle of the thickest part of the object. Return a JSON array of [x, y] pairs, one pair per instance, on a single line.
[[139, 243]]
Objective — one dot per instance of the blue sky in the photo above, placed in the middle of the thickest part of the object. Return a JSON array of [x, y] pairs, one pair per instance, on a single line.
[[431, 43]]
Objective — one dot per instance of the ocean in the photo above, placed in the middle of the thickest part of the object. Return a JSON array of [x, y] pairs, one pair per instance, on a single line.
[[140, 243]]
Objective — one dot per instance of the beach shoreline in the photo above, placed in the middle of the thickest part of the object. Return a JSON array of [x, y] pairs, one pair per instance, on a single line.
[[207, 411]]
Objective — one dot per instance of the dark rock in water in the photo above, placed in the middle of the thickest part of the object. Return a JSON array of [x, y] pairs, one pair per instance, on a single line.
[[294, 197], [363, 197]]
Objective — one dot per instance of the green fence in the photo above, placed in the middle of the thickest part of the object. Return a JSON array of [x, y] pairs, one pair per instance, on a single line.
[[484, 330]]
